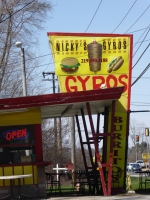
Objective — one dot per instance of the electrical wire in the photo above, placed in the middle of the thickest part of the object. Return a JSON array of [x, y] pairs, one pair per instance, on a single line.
[[141, 102], [125, 16], [141, 36], [10, 64], [16, 12], [141, 56], [142, 77], [54, 53], [93, 16], [141, 94], [141, 74], [138, 30], [48, 64], [141, 43], [138, 19]]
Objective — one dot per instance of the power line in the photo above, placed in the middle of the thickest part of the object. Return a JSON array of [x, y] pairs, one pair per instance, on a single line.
[[10, 64], [141, 94], [54, 53], [141, 74], [125, 16], [16, 11], [141, 36], [141, 43], [141, 56], [138, 19], [93, 16], [138, 30], [148, 77], [49, 62], [142, 102]]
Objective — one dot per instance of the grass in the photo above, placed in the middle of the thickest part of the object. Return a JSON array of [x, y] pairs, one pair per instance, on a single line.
[[67, 190], [70, 190], [135, 186], [135, 183]]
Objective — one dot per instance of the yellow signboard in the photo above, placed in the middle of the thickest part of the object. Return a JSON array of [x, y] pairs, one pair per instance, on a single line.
[[95, 61], [145, 155], [89, 61], [90, 55]]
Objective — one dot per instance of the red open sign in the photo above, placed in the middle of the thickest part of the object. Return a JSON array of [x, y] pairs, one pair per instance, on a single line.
[[16, 134]]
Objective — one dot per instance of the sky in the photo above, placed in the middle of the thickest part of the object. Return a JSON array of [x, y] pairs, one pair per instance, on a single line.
[[107, 16]]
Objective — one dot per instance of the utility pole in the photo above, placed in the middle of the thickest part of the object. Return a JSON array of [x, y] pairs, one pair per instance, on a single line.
[[59, 138], [73, 142], [55, 119]]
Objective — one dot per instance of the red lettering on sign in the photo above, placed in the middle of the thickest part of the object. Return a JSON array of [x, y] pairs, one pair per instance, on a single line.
[[122, 82], [72, 82], [13, 135], [19, 133], [8, 136], [75, 89], [98, 81], [83, 81], [109, 79], [24, 132], [16, 134]]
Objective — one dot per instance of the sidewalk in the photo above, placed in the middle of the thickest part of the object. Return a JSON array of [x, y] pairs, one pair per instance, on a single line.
[[118, 197], [127, 196]]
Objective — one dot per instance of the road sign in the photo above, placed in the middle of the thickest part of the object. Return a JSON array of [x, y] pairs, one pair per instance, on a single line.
[[145, 155]]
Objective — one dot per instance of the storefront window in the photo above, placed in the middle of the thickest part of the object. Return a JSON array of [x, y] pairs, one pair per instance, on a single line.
[[17, 144]]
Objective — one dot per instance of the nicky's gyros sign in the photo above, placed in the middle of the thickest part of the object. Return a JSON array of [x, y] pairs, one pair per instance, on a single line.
[[86, 61]]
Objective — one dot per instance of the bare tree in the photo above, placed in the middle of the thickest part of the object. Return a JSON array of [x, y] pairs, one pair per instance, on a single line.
[[137, 148], [136, 128], [20, 20]]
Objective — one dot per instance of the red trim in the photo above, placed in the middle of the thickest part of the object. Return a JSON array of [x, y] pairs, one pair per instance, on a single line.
[[87, 34], [17, 145], [18, 164], [61, 98], [43, 163], [130, 73], [38, 142]]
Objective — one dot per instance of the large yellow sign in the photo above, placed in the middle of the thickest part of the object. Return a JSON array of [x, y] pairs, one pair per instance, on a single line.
[[90, 55], [89, 61], [93, 61]]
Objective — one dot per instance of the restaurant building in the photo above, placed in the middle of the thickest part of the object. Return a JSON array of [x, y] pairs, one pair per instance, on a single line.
[[21, 136], [94, 75]]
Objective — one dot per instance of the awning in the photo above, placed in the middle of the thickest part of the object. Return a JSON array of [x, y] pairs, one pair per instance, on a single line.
[[63, 104]]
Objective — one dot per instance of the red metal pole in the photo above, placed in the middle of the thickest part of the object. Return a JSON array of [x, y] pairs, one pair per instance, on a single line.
[[96, 151]]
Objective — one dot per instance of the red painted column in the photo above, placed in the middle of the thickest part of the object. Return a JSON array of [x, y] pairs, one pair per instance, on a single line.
[[38, 142]]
